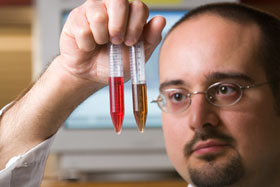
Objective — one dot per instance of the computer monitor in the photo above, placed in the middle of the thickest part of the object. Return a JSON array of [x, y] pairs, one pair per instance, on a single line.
[[87, 143]]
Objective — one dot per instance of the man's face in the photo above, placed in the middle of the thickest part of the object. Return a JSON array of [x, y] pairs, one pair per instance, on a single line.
[[213, 145]]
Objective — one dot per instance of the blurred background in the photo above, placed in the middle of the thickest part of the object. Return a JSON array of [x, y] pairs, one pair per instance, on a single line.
[[17, 71]]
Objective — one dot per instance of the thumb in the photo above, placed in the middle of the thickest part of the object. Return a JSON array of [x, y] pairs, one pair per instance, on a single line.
[[152, 34]]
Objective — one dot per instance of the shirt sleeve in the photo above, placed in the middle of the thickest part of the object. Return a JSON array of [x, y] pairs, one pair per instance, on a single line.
[[26, 170]]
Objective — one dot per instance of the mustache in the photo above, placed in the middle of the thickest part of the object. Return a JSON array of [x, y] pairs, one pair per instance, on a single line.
[[203, 136]]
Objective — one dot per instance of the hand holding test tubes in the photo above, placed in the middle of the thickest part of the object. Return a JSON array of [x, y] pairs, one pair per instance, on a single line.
[[138, 79]]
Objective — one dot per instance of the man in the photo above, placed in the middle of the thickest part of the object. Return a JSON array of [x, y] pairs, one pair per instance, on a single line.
[[228, 138], [219, 83]]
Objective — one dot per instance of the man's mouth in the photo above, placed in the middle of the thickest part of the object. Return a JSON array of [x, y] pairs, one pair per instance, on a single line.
[[210, 146]]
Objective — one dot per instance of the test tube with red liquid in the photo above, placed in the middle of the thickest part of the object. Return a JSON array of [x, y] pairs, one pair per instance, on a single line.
[[139, 88], [116, 87]]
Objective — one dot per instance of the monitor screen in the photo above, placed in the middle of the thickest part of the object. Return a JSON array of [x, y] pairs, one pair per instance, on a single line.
[[94, 112]]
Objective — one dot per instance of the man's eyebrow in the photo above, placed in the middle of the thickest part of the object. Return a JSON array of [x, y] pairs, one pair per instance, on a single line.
[[175, 82], [216, 76]]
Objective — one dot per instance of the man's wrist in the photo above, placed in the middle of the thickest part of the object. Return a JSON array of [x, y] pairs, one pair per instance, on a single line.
[[39, 113]]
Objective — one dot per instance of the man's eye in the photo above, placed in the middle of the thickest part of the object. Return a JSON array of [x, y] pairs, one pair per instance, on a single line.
[[226, 89], [177, 97]]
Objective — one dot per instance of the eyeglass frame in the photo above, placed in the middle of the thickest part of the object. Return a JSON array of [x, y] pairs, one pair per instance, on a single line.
[[189, 95]]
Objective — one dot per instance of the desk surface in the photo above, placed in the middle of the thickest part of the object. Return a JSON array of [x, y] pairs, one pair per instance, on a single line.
[[178, 183]]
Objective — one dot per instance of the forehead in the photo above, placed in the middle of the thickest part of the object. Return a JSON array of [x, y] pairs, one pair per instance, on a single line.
[[207, 44]]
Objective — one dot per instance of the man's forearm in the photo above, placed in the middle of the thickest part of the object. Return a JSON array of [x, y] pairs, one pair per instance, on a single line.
[[39, 113]]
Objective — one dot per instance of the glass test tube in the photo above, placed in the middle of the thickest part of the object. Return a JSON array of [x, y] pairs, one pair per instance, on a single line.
[[139, 88], [116, 87]]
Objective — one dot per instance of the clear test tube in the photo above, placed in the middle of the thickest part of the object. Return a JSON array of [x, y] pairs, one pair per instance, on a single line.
[[116, 87], [139, 88]]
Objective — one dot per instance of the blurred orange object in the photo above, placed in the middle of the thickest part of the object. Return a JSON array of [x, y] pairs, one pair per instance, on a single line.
[[15, 2]]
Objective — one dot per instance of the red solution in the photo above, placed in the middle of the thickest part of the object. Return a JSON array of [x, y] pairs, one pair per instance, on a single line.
[[116, 90]]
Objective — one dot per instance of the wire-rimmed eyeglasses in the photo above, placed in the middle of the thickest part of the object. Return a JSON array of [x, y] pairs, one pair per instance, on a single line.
[[218, 94]]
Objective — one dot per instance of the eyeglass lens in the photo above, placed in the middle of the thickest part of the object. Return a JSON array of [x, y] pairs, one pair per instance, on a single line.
[[224, 94]]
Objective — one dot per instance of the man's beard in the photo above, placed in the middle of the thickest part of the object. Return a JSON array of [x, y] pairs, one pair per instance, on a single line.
[[214, 172], [217, 175]]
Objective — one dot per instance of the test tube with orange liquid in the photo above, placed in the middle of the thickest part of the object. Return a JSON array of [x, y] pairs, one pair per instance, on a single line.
[[138, 80]]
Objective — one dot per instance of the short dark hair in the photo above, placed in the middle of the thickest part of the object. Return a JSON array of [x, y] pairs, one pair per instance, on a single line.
[[269, 25]]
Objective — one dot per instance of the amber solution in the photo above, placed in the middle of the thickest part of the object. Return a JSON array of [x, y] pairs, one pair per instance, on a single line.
[[116, 89], [139, 92]]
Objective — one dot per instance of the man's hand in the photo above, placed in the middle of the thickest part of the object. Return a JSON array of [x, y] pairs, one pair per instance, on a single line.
[[91, 26]]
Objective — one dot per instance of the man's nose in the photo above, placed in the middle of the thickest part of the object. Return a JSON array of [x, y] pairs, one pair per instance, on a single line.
[[201, 113]]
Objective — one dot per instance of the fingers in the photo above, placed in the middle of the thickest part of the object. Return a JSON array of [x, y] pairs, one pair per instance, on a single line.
[[117, 21], [77, 28], [97, 22], [97, 17], [139, 13], [118, 11]]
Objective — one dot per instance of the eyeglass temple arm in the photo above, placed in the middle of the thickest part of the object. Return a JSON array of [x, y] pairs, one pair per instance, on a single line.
[[256, 85], [156, 100]]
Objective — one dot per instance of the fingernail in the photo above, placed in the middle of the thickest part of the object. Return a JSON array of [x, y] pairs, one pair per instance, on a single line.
[[129, 41], [116, 40]]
